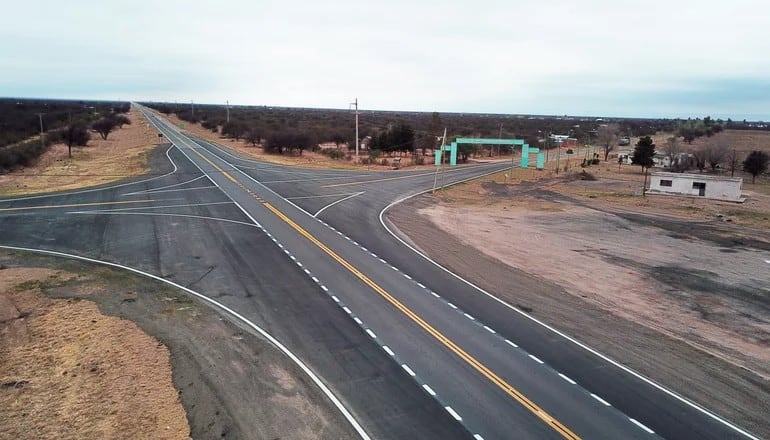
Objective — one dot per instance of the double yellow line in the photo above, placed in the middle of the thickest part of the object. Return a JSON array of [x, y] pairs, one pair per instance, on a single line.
[[473, 362]]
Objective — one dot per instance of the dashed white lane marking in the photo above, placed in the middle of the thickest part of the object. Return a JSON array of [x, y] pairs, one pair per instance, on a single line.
[[324, 288], [511, 343], [451, 305], [371, 333], [388, 350], [383, 261], [364, 249], [435, 294], [358, 321], [306, 271], [286, 251], [567, 379], [408, 370], [293, 258], [373, 254], [478, 437], [315, 279], [469, 317], [535, 358], [394, 268], [299, 264], [453, 413], [347, 238], [489, 330], [422, 286], [428, 389], [639, 424], [407, 277], [604, 402], [347, 310], [334, 297], [767, 261], [280, 245]]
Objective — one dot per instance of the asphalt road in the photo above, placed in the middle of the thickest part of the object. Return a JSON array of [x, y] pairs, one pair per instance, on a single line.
[[412, 350]]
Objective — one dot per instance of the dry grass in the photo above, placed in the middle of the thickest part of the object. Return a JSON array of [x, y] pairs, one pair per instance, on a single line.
[[80, 374], [123, 154]]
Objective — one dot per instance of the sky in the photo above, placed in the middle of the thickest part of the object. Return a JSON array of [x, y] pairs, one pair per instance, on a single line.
[[633, 58]]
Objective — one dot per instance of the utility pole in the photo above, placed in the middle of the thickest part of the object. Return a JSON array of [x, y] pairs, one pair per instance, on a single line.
[[355, 103], [500, 136], [42, 140], [227, 106], [435, 176]]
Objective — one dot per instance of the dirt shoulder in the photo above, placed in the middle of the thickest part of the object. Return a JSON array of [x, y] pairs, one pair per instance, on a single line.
[[676, 298], [91, 352], [122, 155]]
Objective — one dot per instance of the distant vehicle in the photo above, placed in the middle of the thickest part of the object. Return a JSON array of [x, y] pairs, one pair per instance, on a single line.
[[625, 140]]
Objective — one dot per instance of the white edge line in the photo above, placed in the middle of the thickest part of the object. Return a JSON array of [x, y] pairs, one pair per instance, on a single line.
[[453, 413], [162, 214], [335, 202], [101, 188], [335, 401], [639, 424], [603, 402], [163, 187], [550, 328]]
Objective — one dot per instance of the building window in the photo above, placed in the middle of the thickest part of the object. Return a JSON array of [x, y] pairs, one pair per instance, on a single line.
[[665, 183]]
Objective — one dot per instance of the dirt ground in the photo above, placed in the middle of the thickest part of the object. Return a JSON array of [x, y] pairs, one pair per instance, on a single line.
[[657, 278], [122, 155], [85, 354], [69, 371]]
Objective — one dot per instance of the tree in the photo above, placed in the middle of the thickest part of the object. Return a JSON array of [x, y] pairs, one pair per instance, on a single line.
[[435, 129], [607, 136], [672, 149], [338, 139], [733, 161], [756, 163], [716, 150], [76, 134], [234, 129], [643, 154], [253, 137], [700, 157], [120, 120], [104, 127]]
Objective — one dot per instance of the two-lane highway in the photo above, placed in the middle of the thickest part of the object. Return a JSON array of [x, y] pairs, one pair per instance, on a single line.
[[412, 350]]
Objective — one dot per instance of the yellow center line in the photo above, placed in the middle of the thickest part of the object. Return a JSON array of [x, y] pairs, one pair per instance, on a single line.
[[74, 205], [481, 368]]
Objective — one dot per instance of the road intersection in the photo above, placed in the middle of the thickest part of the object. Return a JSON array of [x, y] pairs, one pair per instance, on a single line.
[[309, 255]]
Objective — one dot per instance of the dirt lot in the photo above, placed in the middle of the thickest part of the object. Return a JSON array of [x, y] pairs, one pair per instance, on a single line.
[[647, 278], [90, 352]]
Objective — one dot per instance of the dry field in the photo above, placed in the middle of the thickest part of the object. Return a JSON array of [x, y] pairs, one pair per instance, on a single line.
[[68, 371], [122, 155]]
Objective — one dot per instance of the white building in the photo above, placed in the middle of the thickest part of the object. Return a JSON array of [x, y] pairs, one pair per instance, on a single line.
[[697, 185]]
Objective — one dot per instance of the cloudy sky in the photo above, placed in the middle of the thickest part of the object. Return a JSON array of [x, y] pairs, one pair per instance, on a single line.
[[672, 58]]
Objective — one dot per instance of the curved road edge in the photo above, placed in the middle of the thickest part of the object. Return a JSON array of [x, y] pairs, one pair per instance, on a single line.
[[223, 308]]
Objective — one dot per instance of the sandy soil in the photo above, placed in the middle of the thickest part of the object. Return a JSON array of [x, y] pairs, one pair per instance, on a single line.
[[69, 371], [641, 281], [122, 155]]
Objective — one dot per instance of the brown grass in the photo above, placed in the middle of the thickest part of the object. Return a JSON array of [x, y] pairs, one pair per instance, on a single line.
[[123, 154], [81, 374]]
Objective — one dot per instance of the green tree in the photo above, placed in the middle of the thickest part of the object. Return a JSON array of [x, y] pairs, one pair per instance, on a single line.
[[253, 137], [643, 153], [756, 163], [234, 129]]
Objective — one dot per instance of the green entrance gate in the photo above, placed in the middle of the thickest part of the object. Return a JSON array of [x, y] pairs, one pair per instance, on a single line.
[[525, 150]]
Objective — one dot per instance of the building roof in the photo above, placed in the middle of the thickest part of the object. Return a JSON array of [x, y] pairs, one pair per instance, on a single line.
[[698, 176]]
